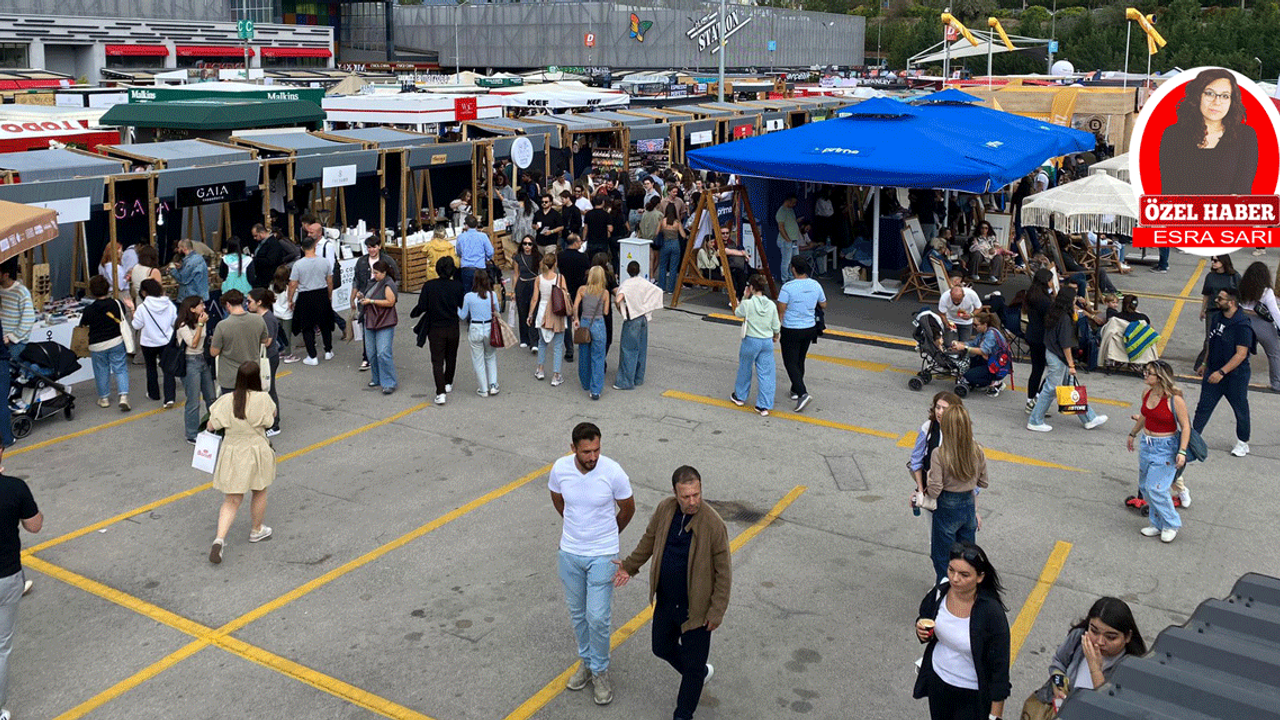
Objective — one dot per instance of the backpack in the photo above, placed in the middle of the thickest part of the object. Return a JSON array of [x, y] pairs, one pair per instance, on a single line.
[[1000, 364], [332, 246]]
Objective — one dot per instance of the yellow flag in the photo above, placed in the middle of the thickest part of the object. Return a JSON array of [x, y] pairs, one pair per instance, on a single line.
[[1154, 40], [1064, 106], [949, 19], [994, 24]]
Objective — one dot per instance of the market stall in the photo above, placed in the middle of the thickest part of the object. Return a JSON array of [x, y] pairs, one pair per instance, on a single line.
[[530, 153], [496, 127], [323, 167], [431, 176], [648, 140], [423, 112], [210, 118], [664, 115], [690, 135], [606, 141], [73, 184], [778, 114]]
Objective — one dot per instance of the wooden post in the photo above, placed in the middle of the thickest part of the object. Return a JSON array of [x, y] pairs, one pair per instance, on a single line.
[[760, 245], [688, 272], [151, 207], [200, 218], [111, 227]]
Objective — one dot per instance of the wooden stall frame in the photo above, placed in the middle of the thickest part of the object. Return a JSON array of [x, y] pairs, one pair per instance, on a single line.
[[688, 272], [338, 197]]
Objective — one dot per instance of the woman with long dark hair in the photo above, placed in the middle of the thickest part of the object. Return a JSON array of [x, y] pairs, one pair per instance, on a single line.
[[155, 317], [1258, 301], [1036, 302], [246, 462], [673, 239], [1086, 659], [965, 669], [1222, 274], [1060, 364], [261, 301], [380, 319], [198, 382], [438, 305], [234, 267], [527, 262], [1209, 150]]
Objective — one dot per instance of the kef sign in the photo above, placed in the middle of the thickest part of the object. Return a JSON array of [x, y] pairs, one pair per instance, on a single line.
[[1205, 159]]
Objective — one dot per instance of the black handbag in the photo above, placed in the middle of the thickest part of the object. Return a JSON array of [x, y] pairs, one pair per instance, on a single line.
[[173, 356]]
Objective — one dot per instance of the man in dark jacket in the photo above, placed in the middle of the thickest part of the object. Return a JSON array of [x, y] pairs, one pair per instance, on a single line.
[[573, 264], [690, 575]]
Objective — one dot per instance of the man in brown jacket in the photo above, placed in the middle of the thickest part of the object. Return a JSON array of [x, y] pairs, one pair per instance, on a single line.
[[690, 576]]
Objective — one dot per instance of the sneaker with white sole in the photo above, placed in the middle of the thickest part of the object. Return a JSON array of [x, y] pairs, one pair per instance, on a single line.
[[994, 390], [1096, 422], [539, 375], [272, 432], [104, 402], [289, 359], [1241, 449], [803, 401], [215, 552], [364, 365], [763, 412], [1039, 428], [1150, 531], [1031, 404], [328, 354], [1167, 535], [733, 397], [260, 535], [482, 392], [440, 399], [493, 389], [448, 388], [579, 678], [556, 380], [1184, 497], [310, 361], [601, 688]]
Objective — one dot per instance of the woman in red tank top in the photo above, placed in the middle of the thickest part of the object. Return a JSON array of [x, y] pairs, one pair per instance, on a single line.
[[1166, 430]]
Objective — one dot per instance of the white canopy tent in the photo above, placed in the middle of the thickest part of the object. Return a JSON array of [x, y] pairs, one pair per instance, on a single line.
[[989, 42], [560, 96], [416, 110], [1097, 203], [1117, 167]]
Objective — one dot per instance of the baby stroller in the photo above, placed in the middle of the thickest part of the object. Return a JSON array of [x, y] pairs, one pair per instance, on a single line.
[[34, 393], [934, 361]]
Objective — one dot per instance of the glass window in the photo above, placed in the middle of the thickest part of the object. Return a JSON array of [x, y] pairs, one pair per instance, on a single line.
[[13, 55]]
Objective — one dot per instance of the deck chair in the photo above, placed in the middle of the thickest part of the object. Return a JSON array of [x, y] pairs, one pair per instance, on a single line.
[[1025, 252], [916, 280], [940, 274]]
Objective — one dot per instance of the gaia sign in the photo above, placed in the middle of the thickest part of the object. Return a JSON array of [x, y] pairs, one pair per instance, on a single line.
[[211, 194]]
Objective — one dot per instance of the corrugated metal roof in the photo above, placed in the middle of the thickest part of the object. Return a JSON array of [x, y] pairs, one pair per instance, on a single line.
[[1224, 663]]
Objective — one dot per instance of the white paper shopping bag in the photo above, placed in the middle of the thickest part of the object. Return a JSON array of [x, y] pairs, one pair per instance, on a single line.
[[205, 457]]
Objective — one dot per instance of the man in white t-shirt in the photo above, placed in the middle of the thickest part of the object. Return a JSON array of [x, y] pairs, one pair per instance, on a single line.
[[593, 495], [958, 307]]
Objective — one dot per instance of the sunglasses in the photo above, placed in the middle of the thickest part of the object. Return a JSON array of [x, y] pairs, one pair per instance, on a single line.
[[968, 554]]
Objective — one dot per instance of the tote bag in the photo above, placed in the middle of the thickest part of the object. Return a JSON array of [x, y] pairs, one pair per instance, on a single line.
[[126, 331], [1073, 399], [205, 456]]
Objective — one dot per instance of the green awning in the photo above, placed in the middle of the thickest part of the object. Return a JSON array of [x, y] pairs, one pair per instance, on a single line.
[[211, 114]]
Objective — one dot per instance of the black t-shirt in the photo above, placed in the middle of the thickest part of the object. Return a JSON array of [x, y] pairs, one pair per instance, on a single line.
[[16, 504], [597, 223], [549, 219], [1215, 282], [1225, 336], [571, 217], [1036, 310], [673, 578], [573, 266]]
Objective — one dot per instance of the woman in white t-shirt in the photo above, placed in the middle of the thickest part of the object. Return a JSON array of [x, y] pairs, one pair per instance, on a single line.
[[965, 669]]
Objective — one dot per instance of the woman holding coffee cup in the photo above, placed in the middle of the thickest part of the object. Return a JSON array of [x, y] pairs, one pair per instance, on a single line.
[[965, 669], [1088, 656]]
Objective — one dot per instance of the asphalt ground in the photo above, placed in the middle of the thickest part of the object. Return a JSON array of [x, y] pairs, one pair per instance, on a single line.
[[412, 570]]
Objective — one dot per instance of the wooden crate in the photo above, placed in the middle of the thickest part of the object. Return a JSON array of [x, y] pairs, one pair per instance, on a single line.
[[413, 264], [41, 285]]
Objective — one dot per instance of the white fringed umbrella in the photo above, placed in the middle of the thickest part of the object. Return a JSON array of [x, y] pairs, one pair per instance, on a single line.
[[1098, 202], [1117, 167]]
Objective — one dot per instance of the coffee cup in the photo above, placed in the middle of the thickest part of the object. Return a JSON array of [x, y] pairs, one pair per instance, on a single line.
[[926, 625]]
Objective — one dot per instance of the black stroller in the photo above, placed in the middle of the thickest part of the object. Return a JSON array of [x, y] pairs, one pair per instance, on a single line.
[[934, 361], [36, 394]]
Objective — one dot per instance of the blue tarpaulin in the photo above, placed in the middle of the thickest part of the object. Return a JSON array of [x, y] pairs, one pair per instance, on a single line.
[[884, 142]]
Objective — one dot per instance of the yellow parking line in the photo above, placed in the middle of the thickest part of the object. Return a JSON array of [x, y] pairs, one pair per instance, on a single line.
[[204, 637], [552, 689], [1031, 608], [82, 433], [716, 402], [201, 488], [902, 440], [1172, 322]]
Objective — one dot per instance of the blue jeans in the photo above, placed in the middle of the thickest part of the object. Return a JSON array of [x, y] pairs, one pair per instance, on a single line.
[[591, 359], [955, 519], [1055, 374], [196, 383], [1156, 469], [1163, 263], [669, 264], [588, 590], [757, 352], [377, 347], [1235, 387], [6, 427], [112, 361], [633, 352], [467, 275], [557, 350], [785, 250]]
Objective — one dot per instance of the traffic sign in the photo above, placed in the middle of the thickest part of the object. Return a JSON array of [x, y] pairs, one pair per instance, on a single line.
[[244, 29]]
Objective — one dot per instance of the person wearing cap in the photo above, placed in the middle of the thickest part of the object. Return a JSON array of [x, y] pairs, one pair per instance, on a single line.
[[364, 281]]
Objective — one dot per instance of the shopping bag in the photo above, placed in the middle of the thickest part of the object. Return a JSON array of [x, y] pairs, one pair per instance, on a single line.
[[1072, 400], [80, 341], [205, 457]]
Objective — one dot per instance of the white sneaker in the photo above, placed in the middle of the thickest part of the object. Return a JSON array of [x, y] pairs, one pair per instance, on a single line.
[[1241, 449], [1039, 428], [1184, 497], [1150, 531], [482, 392], [711, 670], [448, 388], [1096, 422], [328, 355], [1167, 535], [1260, 251], [440, 399], [310, 361]]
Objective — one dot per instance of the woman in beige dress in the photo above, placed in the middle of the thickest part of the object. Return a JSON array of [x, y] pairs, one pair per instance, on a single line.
[[246, 462]]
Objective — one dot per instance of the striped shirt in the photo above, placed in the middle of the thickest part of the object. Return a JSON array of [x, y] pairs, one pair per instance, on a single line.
[[17, 312]]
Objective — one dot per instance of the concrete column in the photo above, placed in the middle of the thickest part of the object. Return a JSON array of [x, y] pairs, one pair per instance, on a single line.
[[35, 54]]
